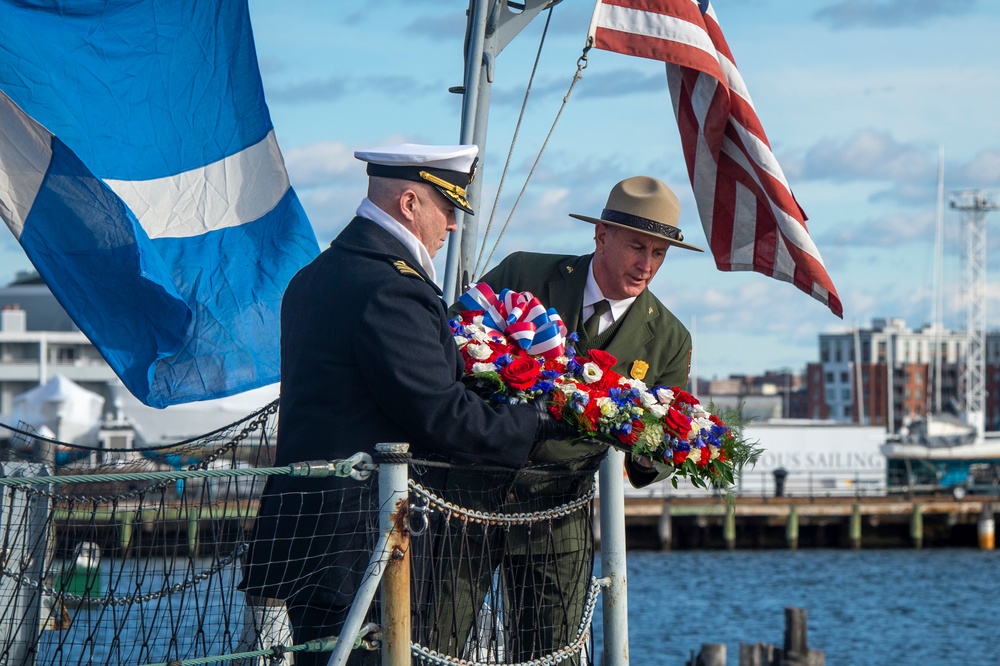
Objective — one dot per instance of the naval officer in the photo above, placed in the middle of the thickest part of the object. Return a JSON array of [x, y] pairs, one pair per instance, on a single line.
[[367, 356]]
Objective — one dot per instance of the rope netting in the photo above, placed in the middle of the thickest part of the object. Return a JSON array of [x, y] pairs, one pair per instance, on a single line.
[[122, 556]]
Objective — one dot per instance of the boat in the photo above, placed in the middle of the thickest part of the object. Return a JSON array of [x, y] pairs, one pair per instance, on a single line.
[[81, 575]]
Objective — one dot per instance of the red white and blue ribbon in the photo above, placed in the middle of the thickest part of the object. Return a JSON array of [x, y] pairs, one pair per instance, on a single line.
[[521, 317]]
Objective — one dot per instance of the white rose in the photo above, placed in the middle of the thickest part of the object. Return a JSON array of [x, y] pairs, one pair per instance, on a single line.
[[634, 383], [461, 341], [659, 411], [479, 352], [591, 372], [647, 399], [483, 367], [701, 423], [480, 335], [665, 396], [694, 455]]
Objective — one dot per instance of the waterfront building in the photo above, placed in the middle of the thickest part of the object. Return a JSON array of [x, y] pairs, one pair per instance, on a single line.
[[38, 340], [858, 369]]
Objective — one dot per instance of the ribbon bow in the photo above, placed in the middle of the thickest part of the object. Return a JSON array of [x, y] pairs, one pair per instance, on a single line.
[[521, 317]]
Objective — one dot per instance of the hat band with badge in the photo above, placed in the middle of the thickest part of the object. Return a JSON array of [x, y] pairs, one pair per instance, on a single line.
[[449, 169], [646, 205], [642, 224]]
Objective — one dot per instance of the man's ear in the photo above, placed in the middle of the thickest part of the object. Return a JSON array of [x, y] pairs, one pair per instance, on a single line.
[[407, 203], [600, 235]]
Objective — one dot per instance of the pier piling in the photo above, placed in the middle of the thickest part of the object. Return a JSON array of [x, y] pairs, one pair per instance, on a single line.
[[665, 527], [854, 527], [792, 527], [729, 527], [917, 526], [986, 529]]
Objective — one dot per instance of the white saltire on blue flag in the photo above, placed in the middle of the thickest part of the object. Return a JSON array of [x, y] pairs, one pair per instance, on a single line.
[[140, 172]]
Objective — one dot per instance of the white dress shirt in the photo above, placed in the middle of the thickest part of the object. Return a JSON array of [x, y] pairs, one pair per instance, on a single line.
[[592, 294]]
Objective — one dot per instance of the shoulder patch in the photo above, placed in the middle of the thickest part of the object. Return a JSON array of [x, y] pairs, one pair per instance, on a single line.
[[405, 269]]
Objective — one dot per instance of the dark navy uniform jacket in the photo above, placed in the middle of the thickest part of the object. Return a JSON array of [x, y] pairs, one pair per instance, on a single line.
[[367, 356]]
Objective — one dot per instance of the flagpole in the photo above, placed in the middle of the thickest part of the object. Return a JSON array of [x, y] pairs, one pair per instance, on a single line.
[[474, 92]]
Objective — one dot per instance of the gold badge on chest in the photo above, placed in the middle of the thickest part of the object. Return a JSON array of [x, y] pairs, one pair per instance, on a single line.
[[638, 370]]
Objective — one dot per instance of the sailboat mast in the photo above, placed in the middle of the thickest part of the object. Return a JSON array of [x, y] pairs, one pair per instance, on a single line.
[[938, 315]]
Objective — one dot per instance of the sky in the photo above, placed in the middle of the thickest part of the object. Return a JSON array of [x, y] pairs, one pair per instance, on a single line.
[[857, 98]]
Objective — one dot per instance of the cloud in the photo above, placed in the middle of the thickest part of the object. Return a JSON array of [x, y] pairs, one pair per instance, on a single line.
[[623, 82], [316, 90], [982, 171], [318, 163], [438, 26], [341, 87], [848, 14], [868, 155]]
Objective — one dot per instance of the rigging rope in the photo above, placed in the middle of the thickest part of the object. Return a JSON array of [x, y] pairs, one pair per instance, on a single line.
[[581, 64], [513, 142]]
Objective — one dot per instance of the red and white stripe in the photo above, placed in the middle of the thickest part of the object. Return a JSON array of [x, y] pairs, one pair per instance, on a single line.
[[750, 216]]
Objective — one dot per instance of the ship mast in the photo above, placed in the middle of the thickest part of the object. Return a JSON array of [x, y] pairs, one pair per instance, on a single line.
[[491, 27]]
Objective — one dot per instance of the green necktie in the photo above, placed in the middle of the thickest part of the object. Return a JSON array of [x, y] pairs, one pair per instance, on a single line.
[[593, 324]]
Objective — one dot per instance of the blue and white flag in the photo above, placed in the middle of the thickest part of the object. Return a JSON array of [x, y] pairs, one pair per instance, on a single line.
[[140, 172]]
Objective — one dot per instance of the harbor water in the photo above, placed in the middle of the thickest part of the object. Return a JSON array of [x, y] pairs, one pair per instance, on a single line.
[[900, 607], [932, 607]]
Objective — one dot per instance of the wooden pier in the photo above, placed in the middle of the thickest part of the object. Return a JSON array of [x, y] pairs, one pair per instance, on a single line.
[[819, 522]]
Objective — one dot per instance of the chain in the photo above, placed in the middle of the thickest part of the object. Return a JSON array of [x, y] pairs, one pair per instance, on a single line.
[[251, 427], [493, 518], [133, 599], [552, 659]]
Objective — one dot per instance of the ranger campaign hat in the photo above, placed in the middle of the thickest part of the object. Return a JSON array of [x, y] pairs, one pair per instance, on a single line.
[[646, 205], [449, 169]]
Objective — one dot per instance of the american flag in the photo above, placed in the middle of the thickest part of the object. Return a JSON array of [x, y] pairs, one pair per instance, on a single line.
[[751, 219]]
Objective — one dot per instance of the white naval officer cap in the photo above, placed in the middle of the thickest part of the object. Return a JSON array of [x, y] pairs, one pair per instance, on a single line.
[[449, 169]]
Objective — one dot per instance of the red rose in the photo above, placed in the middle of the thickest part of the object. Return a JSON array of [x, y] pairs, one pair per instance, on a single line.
[[521, 373], [602, 359], [703, 461], [469, 315], [677, 423], [683, 396], [609, 380], [716, 420], [680, 456]]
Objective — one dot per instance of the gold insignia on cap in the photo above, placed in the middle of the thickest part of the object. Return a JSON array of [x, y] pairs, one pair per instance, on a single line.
[[639, 369], [456, 192], [650, 311], [472, 171], [405, 269], [569, 269]]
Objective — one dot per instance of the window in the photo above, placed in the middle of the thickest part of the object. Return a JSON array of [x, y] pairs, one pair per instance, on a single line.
[[65, 354], [829, 378], [844, 377]]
